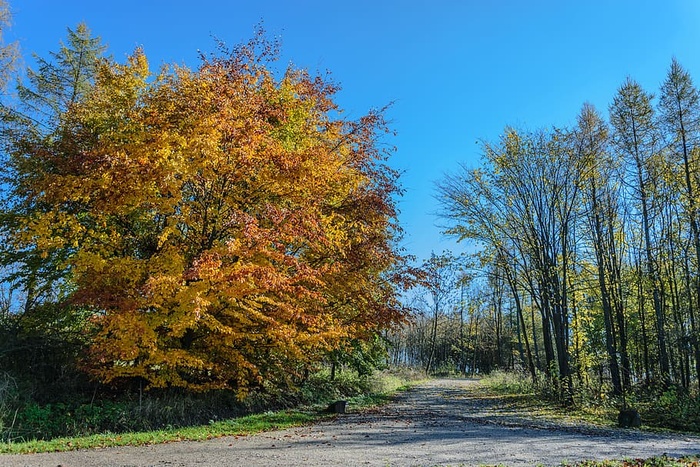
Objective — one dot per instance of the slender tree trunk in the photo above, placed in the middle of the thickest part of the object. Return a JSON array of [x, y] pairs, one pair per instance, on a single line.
[[656, 286], [674, 294], [498, 324], [462, 353], [535, 344], [476, 344], [521, 319], [433, 341], [694, 331], [564, 363], [642, 321], [546, 314], [606, 302], [618, 306]]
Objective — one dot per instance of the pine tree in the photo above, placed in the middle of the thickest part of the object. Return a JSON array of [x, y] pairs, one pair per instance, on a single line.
[[37, 124], [636, 137], [679, 109]]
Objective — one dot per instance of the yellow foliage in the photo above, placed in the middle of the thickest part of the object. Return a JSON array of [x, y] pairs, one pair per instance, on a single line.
[[222, 225]]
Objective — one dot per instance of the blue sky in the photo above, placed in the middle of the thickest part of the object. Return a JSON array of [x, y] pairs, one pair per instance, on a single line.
[[457, 71]]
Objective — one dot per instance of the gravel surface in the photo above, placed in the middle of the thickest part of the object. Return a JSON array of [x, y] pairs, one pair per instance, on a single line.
[[436, 423]]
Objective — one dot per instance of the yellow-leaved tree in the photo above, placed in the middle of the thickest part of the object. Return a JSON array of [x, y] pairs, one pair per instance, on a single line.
[[226, 227]]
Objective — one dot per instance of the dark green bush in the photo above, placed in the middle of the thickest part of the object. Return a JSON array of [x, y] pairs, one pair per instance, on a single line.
[[24, 419], [669, 407]]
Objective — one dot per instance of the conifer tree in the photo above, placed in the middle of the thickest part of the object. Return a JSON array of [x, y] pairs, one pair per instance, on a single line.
[[636, 137], [679, 109], [38, 124]]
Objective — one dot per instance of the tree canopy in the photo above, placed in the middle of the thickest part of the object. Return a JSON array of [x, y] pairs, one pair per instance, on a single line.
[[222, 227], [595, 228]]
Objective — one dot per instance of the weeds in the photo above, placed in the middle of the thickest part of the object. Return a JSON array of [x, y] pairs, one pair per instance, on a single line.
[[508, 382], [240, 426], [175, 411], [660, 407], [8, 397]]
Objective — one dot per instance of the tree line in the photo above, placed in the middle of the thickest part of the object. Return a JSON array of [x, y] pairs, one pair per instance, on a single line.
[[461, 322], [588, 237]]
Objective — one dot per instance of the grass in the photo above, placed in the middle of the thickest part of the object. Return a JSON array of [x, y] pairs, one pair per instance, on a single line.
[[517, 394], [234, 427], [384, 386], [662, 461]]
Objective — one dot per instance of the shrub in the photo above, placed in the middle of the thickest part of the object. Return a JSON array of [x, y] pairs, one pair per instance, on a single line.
[[668, 407], [28, 420], [8, 400], [509, 382]]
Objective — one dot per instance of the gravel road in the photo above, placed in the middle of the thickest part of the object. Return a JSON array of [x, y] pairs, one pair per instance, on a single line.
[[437, 423]]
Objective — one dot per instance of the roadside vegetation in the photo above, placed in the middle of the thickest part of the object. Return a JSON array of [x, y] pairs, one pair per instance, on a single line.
[[670, 409], [160, 418]]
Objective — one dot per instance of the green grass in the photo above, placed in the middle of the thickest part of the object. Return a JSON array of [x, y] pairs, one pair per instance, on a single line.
[[516, 393], [662, 461], [234, 427], [530, 404], [384, 386]]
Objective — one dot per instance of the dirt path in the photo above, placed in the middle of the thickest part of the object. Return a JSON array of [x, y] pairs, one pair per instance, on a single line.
[[437, 423]]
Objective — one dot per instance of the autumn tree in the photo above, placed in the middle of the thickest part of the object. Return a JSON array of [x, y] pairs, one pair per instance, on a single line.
[[8, 52], [8, 56], [601, 191], [37, 125], [41, 338], [439, 282], [679, 106], [636, 138], [8, 59], [225, 227]]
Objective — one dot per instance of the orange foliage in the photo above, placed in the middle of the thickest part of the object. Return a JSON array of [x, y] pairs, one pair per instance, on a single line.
[[226, 227]]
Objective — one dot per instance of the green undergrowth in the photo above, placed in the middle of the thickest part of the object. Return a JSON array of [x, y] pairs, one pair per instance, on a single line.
[[155, 420], [668, 409], [234, 427], [516, 393]]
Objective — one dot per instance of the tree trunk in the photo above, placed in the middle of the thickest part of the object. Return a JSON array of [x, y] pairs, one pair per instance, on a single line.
[[606, 302], [521, 319]]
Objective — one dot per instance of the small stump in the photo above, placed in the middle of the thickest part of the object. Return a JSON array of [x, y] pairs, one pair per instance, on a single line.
[[629, 418], [337, 407]]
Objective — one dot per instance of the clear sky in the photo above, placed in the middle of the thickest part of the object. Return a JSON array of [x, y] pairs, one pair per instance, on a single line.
[[457, 71]]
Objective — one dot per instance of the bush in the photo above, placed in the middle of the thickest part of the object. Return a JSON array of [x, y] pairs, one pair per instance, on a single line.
[[509, 382], [8, 400], [320, 388], [155, 411], [672, 407], [668, 407], [22, 419]]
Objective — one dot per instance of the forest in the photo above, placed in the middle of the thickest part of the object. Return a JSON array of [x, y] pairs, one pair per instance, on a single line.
[[225, 237], [583, 273]]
